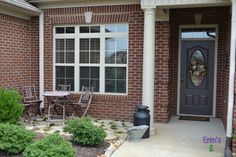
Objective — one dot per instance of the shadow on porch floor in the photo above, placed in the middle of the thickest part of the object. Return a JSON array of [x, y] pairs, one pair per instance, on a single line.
[[178, 138]]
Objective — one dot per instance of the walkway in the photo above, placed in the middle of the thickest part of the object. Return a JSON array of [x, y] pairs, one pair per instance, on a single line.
[[178, 138]]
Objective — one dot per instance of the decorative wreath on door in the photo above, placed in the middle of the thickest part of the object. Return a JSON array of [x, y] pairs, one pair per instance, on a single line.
[[197, 68]]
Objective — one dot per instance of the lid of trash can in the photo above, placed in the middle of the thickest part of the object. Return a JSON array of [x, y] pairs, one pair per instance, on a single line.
[[142, 107]]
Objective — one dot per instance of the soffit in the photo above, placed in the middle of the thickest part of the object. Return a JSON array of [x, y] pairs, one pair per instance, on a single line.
[[183, 3], [44, 4]]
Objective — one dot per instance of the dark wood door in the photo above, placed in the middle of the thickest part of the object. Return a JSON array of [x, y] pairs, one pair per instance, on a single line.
[[197, 77]]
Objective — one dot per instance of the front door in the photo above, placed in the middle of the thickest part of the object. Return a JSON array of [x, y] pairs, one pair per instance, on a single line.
[[197, 77]]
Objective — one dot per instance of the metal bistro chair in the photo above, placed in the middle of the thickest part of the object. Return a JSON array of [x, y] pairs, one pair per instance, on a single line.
[[30, 98], [60, 102], [84, 101]]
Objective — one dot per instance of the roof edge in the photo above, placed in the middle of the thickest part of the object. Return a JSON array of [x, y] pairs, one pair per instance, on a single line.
[[23, 5]]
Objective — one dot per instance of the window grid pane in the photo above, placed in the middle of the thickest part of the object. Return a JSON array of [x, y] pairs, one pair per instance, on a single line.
[[65, 50], [89, 77], [65, 76], [65, 30], [90, 50], [116, 50], [115, 80]]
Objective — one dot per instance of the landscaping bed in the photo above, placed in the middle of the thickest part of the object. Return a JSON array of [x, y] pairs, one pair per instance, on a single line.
[[82, 151], [82, 137]]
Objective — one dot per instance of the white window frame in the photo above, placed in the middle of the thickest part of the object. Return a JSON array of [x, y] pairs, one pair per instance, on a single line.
[[77, 36]]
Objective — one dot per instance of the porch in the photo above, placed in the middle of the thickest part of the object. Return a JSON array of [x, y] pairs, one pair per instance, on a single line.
[[179, 138]]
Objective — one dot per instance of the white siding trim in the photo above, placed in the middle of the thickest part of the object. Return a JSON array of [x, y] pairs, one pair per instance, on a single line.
[[182, 3], [41, 57], [23, 5], [80, 3]]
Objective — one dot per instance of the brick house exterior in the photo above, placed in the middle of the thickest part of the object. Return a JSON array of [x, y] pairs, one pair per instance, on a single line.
[[20, 49]]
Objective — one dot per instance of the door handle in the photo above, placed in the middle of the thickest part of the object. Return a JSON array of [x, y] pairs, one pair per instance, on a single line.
[[182, 81]]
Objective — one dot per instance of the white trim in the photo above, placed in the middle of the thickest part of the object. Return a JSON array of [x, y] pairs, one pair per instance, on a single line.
[[41, 57], [11, 12], [230, 112], [182, 3], [77, 36], [54, 57], [23, 4], [148, 78], [215, 66], [70, 3]]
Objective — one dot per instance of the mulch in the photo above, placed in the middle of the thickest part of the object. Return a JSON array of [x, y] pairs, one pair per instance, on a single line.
[[82, 151], [91, 151]]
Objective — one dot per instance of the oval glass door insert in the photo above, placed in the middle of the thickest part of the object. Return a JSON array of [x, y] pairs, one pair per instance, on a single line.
[[197, 68]]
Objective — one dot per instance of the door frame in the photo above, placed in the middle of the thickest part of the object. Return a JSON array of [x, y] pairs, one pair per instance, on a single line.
[[215, 66]]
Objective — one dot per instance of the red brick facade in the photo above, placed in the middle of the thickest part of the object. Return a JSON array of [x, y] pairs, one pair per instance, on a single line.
[[19, 52], [19, 49], [109, 106], [162, 108], [104, 106], [24, 54]]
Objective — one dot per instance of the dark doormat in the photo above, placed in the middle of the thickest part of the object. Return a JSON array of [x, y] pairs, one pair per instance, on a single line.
[[193, 118]]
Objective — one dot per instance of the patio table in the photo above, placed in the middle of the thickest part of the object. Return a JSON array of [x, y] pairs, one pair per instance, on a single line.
[[62, 95]]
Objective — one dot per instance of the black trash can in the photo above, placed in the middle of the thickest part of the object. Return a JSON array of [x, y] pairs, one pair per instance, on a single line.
[[142, 117]]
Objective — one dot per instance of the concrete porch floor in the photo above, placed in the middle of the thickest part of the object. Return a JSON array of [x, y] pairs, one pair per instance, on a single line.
[[178, 138]]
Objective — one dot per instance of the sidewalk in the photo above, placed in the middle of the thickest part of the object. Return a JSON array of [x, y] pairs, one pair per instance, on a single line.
[[178, 138]]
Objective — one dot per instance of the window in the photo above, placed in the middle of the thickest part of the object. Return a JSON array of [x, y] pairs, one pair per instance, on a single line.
[[65, 75], [92, 56], [115, 80], [198, 33]]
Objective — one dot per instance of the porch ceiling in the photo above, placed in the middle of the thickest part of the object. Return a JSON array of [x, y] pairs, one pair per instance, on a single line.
[[183, 3], [44, 4]]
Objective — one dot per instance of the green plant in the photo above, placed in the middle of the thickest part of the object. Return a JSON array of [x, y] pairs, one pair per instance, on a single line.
[[10, 106], [51, 146], [84, 132], [102, 126], [113, 126], [48, 128], [57, 131], [14, 139]]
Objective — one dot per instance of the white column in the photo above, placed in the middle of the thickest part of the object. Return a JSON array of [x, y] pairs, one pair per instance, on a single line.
[[41, 57], [231, 71], [149, 60]]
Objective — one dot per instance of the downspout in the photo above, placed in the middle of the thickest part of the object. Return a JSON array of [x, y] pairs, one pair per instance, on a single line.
[[41, 59], [228, 144]]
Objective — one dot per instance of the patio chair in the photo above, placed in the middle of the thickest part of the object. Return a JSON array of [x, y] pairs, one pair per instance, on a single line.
[[61, 102], [30, 97], [26, 113], [64, 87], [84, 101]]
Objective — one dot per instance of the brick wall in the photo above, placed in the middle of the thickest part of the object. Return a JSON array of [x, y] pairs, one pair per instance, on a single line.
[[18, 66], [104, 106], [162, 108], [217, 15], [35, 51], [110, 106]]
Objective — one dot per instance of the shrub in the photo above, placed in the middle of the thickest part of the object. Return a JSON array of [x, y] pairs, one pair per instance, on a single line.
[[14, 139], [51, 146], [10, 106], [84, 132]]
